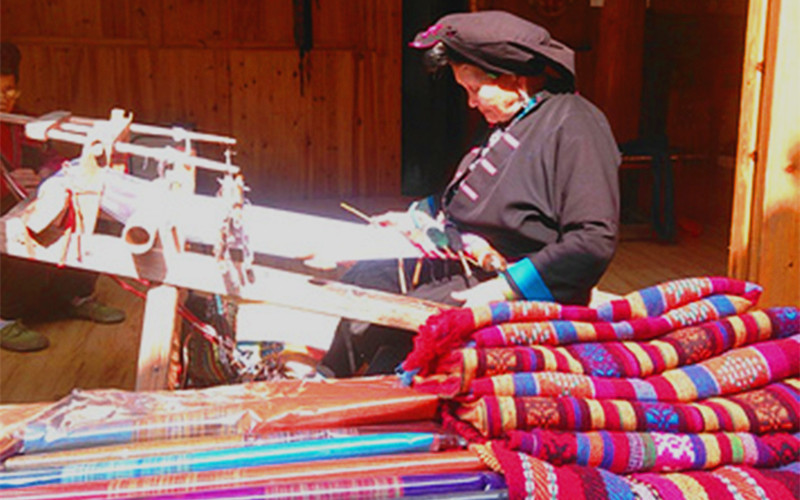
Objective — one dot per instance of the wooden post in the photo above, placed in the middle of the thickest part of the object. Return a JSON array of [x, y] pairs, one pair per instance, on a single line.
[[765, 230], [160, 329], [752, 81]]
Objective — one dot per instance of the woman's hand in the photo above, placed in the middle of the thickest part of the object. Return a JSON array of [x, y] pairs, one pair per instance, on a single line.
[[493, 290]]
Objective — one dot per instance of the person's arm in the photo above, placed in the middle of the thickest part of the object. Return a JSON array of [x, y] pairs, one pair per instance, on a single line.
[[586, 165]]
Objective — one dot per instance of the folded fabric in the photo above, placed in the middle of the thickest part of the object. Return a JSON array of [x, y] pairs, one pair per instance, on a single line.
[[681, 347], [530, 477], [428, 485], [625, 452], [640, 315], [562, 332], [676, 377], [251, 456], [739, 370], [104, 417], [147, 487], [144, 449], [773, 408]]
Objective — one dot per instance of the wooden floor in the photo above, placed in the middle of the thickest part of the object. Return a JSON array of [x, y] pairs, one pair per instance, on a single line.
[[85, 355]]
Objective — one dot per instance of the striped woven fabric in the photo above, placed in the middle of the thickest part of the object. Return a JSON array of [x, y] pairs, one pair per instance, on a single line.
[[625, 452], [423, 485], [105, 417], [739, 370], [681, 347], [368, 445], [638, 316], [530, 477], [562, 332], [773, 408], [677, 377], [304, 472]]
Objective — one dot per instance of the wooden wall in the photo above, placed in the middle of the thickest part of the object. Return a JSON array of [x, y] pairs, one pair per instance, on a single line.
[[323, 125], [329, 124]]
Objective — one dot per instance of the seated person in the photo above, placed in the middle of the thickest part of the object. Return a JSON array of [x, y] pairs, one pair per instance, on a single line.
[[541, 189], [30, 289]]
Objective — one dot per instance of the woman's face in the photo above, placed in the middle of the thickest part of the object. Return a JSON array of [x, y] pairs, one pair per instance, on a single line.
[[497, 98]]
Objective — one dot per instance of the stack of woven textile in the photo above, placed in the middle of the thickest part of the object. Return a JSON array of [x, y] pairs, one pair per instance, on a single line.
[[358, 438], [681, 390]]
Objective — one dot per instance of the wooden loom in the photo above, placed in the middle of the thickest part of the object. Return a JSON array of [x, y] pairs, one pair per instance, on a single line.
[[175, 238]]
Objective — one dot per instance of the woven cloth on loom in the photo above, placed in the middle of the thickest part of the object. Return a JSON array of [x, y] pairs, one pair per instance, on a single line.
[[680, 376]]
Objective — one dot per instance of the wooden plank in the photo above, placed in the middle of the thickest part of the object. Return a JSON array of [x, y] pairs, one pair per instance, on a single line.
[[383, 112], [752, 81], [160, 330], [760, 152], [779, 255], [693, 7], [11, 12], [334, 96], [264, 22], [72, 18], [265, 88], [192, 90], [333, 22], [765, 243], [618, 84], [193, 22], [138, 85]]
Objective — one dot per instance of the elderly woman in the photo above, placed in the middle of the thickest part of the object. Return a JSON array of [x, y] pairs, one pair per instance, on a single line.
[[541, 189]]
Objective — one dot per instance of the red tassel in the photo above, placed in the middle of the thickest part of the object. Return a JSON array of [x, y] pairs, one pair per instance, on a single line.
[[438, 336]]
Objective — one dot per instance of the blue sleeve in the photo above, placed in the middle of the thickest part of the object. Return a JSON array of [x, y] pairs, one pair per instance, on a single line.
[[527, 282]]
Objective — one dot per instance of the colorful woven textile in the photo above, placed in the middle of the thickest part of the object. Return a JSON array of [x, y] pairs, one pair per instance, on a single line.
[[624, 452], [677, 377], [774, 408], [144, 449], [251, 456], [148, 487], [638, 316], [126, 451], [530, 477], [366, 487], [562, 332], [103, 417], [739, 370], [681, 347]]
